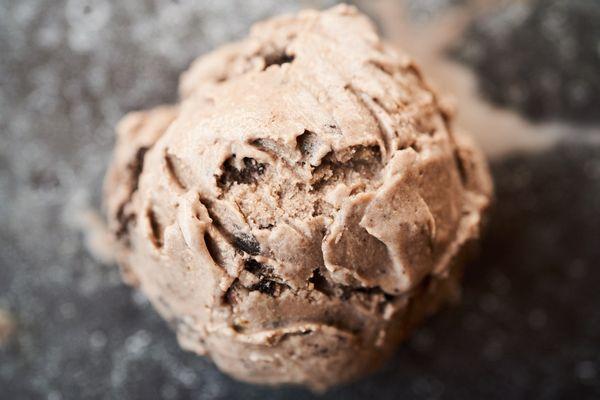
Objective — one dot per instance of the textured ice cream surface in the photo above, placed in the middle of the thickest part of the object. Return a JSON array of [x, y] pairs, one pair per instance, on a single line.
[[302, 207]]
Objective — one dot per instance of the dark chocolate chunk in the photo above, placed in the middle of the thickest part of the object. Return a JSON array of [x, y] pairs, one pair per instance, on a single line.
[[247, 243]]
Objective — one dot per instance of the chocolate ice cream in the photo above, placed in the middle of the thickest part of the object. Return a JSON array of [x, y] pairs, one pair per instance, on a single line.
[[302, 207]]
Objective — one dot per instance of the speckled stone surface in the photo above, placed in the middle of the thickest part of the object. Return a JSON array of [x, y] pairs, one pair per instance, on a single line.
[[541, 57], [528, 325]]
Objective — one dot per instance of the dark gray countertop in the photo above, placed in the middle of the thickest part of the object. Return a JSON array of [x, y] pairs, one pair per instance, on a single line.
[[528, 325]]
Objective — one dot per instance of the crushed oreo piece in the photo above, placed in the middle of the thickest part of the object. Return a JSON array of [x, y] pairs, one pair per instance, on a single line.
[[248, 174], [246, 243], [256, 268], [265, 286]]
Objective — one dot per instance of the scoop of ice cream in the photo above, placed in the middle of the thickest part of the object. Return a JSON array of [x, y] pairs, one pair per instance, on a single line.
[[302, 207]]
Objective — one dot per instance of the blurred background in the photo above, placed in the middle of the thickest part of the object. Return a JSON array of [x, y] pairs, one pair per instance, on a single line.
[[525, 78]]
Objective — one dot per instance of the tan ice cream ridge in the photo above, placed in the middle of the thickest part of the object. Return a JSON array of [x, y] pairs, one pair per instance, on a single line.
[[303, 206]]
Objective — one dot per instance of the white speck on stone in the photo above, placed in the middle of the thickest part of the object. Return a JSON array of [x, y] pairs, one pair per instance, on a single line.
[[139, 298], [592, 168], [585, 370], [98, 340], [67, 310], [54, 395], [25, 12], [138, 342], [501, 284], [537, 318], [428, 388], [579, 92], [494, 348], [507, 19], [168, 392], [49, 36], [86, 19], [211, 389], [490, 304], [473, 322], [186, 376], [576, 269], [423, 340]]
